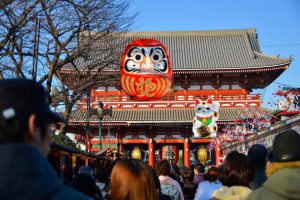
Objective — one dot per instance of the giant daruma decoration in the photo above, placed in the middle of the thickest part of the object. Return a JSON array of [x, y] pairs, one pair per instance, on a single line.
[[145, 71]]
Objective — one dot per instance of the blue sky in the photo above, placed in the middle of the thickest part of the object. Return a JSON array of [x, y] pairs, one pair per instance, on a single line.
[[277, 23]]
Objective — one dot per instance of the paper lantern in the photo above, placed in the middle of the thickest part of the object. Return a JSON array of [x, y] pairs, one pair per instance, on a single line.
[[136, 153], [170, 153], [202, 155]]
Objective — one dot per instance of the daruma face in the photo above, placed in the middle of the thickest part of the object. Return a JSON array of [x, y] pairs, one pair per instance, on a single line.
[[145, 71]]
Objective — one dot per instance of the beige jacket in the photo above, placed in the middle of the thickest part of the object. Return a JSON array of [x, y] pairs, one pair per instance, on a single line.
[[231, 193]]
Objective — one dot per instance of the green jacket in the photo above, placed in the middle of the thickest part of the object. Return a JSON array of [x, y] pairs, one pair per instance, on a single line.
[[283, 184]]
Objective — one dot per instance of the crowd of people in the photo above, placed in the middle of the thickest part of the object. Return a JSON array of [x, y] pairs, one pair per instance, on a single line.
[[258, 175], [25, 129]]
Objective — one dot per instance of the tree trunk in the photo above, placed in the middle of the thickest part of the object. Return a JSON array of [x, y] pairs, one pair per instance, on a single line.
[[64, 125]]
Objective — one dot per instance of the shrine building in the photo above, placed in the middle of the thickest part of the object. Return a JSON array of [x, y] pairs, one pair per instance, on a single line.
[[226, 65]]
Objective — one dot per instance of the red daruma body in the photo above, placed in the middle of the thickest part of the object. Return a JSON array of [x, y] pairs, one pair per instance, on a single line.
[[145, 71]]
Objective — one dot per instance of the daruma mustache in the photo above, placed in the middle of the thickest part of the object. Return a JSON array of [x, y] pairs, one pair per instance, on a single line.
[[145, 87]]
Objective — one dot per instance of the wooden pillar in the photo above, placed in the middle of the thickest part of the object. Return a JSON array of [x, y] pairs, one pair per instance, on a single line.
[[89, 143], [185, 95], [120, 95], [186, 153], [151, 152], [217, 152], [119, 140], [121, 146]]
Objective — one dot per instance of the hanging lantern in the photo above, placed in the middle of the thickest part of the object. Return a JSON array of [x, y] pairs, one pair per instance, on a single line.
[[114, 154], [170, 153], [202, 155], [136, 153]]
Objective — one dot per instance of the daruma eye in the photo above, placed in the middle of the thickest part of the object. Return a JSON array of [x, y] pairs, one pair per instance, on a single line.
[[207, 108], [199, 108], [156, 57], [137, 57]]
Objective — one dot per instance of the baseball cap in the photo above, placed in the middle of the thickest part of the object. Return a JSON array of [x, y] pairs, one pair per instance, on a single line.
[[286, 147], [22, 96]]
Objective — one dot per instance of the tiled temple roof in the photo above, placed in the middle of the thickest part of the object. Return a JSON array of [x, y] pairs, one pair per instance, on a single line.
[[202, 50], [171, 115]]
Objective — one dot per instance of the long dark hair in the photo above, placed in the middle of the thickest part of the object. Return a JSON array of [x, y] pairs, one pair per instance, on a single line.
[[212, 174], [163, 167], [236, 170]]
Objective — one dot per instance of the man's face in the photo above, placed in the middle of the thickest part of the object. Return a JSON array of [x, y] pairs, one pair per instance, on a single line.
[[43, 142], [51, 127]]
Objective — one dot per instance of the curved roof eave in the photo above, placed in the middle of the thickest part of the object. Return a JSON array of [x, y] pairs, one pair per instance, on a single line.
[[228, 69], [251, 30]]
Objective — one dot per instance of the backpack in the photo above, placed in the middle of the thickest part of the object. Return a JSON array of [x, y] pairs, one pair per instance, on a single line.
[[171, 191]]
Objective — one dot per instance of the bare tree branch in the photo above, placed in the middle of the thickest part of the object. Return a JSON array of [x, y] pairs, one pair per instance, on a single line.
[[76, 35], [17, 24]]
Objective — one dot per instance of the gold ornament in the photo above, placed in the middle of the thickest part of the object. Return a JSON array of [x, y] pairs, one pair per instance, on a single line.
[[136, 153], [202, 155], [203, 131]]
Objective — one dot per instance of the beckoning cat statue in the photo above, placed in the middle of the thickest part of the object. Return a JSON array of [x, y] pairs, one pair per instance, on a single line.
[[204, 123]]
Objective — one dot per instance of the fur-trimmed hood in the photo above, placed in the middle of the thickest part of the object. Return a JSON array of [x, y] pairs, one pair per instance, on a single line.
[[231, 193]]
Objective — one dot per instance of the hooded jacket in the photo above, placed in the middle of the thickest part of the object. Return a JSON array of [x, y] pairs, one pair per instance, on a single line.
[[231, 193], [166, 180], [27, 175], [283, 184], [206, 188], [259, 178]]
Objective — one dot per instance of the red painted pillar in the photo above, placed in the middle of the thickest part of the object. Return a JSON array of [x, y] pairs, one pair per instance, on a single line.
[[186, 153], [120, 95], [119, 142], [151, 152], [185, 95], [217, 152], [121, 147], [89, 143]]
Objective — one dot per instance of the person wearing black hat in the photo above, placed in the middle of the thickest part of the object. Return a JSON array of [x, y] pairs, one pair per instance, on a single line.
[[284, 170], [26, 125], [258, 156]]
